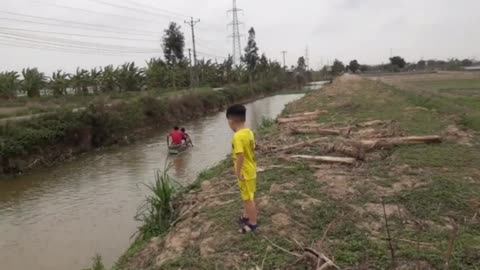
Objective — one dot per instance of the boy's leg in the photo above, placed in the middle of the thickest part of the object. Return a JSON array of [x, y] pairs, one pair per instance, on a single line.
[[251, 211]]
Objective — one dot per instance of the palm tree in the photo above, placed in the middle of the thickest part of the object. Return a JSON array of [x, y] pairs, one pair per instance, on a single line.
[[130, 77], [80, 81], [9, 84], [33, 81], [59, 82], [108, 79]]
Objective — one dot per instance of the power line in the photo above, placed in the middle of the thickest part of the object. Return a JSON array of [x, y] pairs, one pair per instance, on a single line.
[[75, 42], [136, 3], [211, 55], [74, 46], [27, 45], [131, 31], [77, 35], [134, 9], [94, 12]]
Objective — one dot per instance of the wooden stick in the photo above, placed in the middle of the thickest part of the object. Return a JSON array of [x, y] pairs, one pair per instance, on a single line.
[[342, 160], [184, 214], [282, 249], [412, 242], [220, 194], [321, 255]]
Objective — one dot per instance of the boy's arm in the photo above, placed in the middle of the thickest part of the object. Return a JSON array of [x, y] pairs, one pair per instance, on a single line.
[[168, 140], [240, 159]]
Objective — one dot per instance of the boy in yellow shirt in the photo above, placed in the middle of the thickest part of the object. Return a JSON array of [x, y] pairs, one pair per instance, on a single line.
[[245, 165]]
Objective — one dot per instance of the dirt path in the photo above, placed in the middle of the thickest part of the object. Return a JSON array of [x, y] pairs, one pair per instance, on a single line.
[[414, 206]]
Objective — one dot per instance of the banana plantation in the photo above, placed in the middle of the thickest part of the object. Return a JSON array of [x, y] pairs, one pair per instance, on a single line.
[[156, 75]]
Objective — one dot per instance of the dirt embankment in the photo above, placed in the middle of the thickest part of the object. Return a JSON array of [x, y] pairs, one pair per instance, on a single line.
[[351, 177]]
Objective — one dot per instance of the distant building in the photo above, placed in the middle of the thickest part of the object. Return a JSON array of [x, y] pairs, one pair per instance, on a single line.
[[472, 68]]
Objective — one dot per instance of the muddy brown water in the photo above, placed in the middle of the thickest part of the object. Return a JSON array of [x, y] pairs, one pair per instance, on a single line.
[[58, 218]]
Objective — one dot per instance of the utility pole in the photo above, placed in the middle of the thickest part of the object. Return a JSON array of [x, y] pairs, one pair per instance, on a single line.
[[307, 59], [191, 68], [235, 24], [192, 24], [284, 52]]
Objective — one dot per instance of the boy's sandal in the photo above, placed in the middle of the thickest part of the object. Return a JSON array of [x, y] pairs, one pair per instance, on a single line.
[[248, 228], [243, 220]]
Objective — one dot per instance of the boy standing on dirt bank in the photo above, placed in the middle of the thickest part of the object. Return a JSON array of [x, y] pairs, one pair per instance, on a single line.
[[245, 165]]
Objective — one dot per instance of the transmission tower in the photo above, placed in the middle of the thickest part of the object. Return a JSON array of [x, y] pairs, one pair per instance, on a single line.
[[235, 24]]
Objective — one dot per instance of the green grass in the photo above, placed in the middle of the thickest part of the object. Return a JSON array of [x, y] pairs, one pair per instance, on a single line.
[[97, 264], [158, 211]]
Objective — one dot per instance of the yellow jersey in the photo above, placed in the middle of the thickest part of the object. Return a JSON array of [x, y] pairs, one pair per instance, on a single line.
[[244, 143]]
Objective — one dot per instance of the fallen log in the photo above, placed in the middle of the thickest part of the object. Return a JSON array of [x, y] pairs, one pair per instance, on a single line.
[[315, 130], [372, 123], [303, 114], [303, 118], [392, 142], [342, 160]]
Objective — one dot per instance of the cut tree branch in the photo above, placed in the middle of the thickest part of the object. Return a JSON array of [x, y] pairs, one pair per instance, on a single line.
[[392, 142]]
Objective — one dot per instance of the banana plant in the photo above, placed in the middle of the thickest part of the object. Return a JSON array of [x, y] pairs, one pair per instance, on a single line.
[[108, 79], [9, 84], [59, 83], [130, 77], [80, 81]]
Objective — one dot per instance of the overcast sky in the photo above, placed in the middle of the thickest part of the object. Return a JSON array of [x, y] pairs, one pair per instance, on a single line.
[[367, 30]]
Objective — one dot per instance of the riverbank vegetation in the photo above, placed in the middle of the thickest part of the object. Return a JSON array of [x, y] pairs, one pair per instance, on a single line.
[[342, 183]]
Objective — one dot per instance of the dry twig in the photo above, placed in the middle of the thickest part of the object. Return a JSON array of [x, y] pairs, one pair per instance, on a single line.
[[389, 238]]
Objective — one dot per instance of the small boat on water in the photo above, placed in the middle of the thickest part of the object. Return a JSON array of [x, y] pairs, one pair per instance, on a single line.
[[177, 149]]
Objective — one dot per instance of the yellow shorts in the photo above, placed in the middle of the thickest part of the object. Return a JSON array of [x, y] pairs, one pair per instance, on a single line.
[[248, 189]]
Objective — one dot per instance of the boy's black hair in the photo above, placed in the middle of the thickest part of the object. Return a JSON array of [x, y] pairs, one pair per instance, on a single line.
[[237, 112], [175, 128], [182, 129]]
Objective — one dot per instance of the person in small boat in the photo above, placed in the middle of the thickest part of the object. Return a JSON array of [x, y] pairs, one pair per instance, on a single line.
[[176, 137], [186, 138]]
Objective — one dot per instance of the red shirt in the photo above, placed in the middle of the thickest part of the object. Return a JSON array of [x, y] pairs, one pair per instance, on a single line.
[[177, 137]]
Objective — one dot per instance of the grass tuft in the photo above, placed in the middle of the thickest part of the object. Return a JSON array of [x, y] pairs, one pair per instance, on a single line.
[[158, 211]]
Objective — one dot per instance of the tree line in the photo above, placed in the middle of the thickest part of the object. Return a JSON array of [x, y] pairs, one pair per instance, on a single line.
[[173, 71], [397, 64]]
